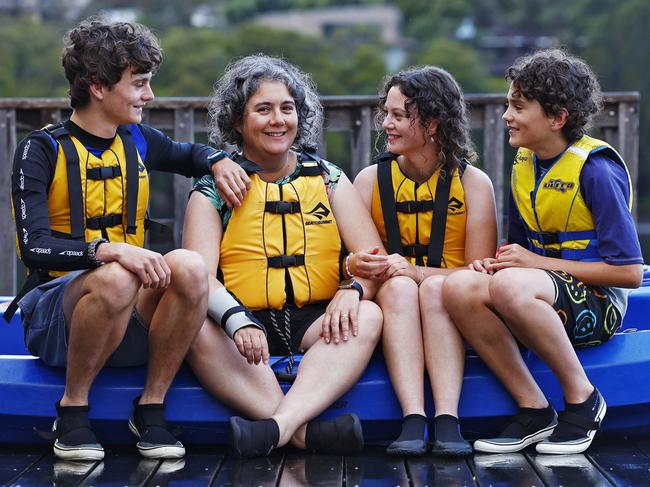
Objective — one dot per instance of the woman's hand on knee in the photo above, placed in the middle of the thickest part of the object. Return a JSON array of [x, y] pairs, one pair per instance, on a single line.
[[252, 345], [341, 316]]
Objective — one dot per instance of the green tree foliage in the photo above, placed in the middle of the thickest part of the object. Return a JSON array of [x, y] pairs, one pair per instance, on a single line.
[[463, 62], [30, 63]]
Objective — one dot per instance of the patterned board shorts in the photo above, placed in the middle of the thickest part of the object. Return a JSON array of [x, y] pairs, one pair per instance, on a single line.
[[589, 316]]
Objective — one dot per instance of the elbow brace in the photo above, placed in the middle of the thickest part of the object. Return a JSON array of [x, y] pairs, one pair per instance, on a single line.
[[229, 313]]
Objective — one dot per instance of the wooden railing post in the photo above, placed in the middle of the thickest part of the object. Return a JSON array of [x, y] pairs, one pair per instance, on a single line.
[[493, 159], [8, 228], [361, 140], [183, 132], [628, 142]]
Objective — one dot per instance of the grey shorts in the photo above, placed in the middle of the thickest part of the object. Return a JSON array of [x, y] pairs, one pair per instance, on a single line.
[[46, 333]]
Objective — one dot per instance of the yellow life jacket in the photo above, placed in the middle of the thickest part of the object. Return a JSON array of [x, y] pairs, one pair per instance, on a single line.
[[91, 197], [408, 220], [282, 244], [555, 215]]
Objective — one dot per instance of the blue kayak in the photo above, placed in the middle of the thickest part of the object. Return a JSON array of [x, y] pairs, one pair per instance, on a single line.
[[619, 368]]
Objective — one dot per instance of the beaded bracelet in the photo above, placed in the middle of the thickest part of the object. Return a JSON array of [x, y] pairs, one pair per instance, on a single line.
[[347, 265]]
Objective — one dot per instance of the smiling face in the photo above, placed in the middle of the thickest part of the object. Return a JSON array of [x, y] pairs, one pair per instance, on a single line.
[[123, 102], [270, 122], [404, 131], [528, 125]]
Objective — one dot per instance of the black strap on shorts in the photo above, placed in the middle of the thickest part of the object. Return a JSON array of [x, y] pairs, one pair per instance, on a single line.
[[34, 279]]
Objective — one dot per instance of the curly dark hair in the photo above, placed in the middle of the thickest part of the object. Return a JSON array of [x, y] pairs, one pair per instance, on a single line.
[[241, 80], [559, 81], [433, 94], [97, 51]]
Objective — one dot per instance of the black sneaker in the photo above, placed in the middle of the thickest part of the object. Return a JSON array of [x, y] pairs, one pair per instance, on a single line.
[[156, 441], [74, 440], [528, 426], [577, 427]]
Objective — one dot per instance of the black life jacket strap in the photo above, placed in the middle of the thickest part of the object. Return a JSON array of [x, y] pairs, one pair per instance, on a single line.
[[105, 221], [286, 260], [132, 182], [75, 194], [421, 206], [100, 173], [439, 219], [388, 207], [282, 207]]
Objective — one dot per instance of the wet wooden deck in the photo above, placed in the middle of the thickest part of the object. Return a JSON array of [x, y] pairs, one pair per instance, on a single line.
[[609, 462]]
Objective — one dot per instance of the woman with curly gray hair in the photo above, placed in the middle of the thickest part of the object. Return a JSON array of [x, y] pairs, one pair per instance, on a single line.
[[436, 214], [277, 258]]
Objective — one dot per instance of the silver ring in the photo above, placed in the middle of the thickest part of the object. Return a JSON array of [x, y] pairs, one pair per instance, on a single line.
[[345, 316]]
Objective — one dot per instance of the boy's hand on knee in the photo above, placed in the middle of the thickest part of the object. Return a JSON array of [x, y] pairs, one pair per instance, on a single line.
[[150, 267]]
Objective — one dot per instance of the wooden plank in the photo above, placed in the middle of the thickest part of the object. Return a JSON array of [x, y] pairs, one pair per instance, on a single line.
[[15, 463], [195, 469], [8, 229], [183, 132], [262, 471], [122, 468], [493, 154], [430, 471], [622, 463], [567, 470], [506, 469], [373, 467], [51, 471], [302, 468]]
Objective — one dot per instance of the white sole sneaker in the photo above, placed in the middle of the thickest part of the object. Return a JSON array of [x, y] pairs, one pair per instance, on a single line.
[[78, 453], [513, 445], [574, 446], [148, 450]]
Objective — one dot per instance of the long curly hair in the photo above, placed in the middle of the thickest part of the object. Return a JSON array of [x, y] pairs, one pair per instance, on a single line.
[[559, 81], [433, 94], [241, 80], [97, 51]]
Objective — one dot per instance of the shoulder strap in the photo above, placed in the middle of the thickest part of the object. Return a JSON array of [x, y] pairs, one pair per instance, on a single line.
[[75, 194], [132, 182], [388, 208], [439, 219]]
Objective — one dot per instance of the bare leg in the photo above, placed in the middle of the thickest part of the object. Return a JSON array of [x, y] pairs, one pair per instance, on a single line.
[[467, 299], [443, 346], [97, 306], [524, 298], [251, 389], [402, 342], [326, 372], [175, 316]]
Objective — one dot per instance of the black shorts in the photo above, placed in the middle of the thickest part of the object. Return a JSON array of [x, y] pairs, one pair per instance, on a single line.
[[286, 327], [589, 316]]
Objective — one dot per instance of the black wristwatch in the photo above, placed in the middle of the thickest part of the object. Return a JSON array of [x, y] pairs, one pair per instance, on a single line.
[[216, 157], [352, 284]]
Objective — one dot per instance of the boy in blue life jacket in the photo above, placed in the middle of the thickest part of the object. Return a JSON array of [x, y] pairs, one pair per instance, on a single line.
[[572, 255], [80, 191]]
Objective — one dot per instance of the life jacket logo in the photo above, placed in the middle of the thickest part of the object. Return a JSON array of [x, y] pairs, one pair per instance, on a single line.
[[455, 206], [320, 211], [519, 158], [559, 185]]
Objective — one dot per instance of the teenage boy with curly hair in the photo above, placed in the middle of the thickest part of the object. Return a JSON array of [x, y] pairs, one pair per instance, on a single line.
[[572, 255]]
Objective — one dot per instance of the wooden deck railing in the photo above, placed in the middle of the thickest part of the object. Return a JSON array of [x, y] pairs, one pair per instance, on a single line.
[[185, 118]]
